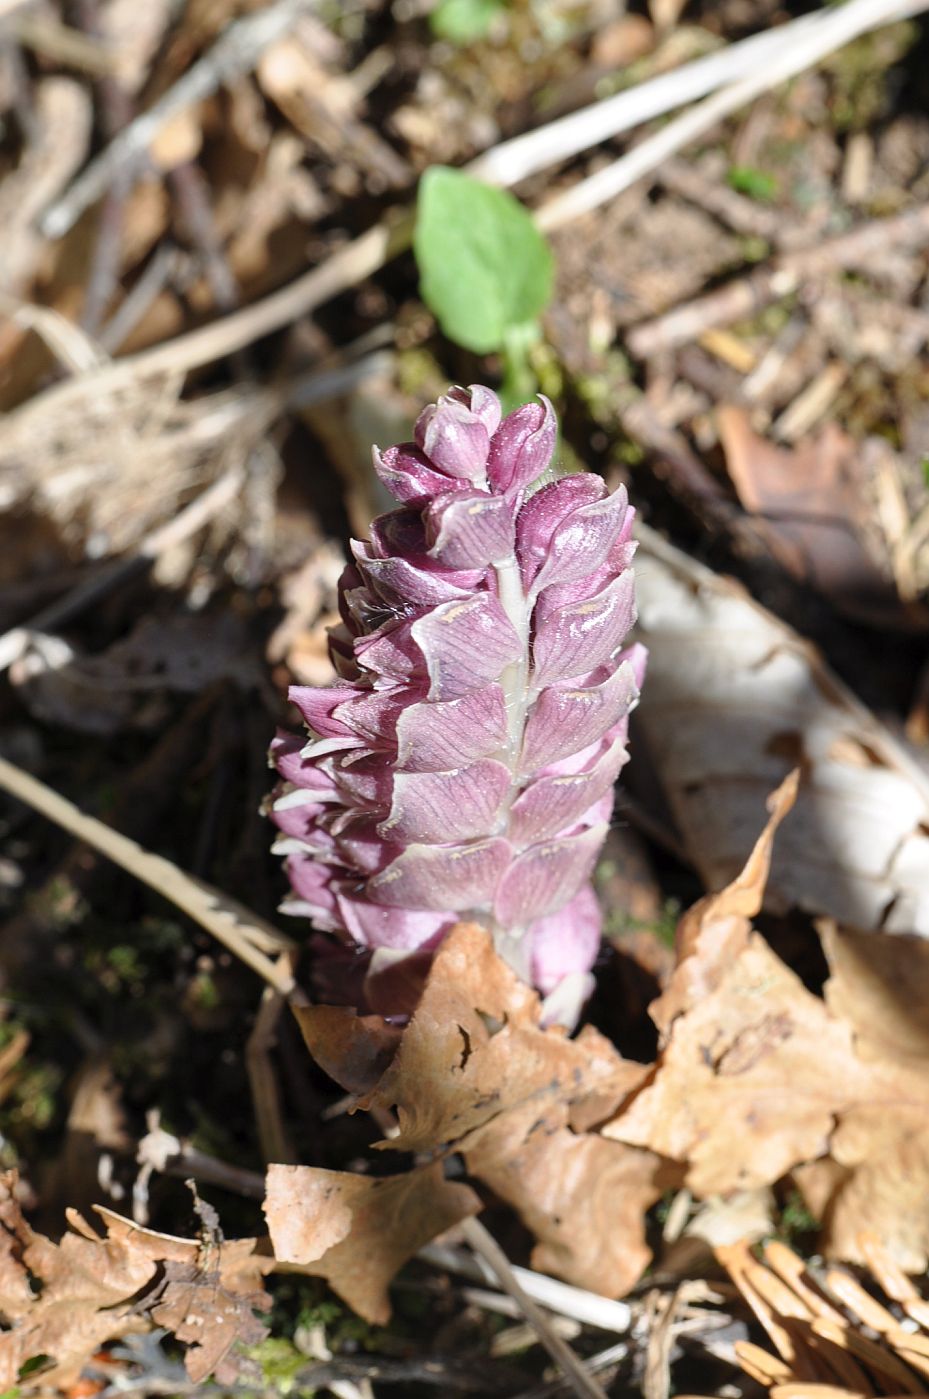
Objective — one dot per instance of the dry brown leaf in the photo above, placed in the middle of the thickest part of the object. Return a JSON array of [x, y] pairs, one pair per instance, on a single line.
[[357, 1231], [352, 1049], [759, 1077], [881, 986], [474, 1050], [475, 1073], [750, 1079], [583, 1198], [717, 928], [736, 700], [89, 1294], [813, 505]]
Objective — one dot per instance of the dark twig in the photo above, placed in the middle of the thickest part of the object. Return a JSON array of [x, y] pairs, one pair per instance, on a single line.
[[235, 52], [116, 110]]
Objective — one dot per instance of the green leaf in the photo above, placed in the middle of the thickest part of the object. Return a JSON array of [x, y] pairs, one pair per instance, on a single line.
[[464, 21], [757, 184], [484, 267]]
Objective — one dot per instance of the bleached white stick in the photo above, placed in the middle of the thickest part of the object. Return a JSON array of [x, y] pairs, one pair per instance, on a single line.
[[825, 31]]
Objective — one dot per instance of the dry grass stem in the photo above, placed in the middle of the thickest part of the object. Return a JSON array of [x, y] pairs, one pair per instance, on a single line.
[[207, 505], [255, 942]]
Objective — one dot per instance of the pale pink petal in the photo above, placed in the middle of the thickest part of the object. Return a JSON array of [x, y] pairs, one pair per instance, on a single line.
[[440, 734], [453, 877], [454, 439], [376, 925], [566, 717], [546, 876], [565, 942], [550, 805], [522, 446], [444, 807], [465, 645], [470, 529], [409, 475], [483, 403], [575, 639], [542, 514]]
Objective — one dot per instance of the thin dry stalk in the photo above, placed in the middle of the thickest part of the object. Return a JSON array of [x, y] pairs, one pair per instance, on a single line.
[[589, 1308], [485, 1246], [199, 513], [746, 296], [250, 938]]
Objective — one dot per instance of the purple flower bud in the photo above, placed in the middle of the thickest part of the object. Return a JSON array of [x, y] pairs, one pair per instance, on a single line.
[[522, 446], [463, 765], [454, 439]]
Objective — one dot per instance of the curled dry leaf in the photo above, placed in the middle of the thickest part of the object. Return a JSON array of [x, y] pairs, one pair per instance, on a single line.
[[357, 1231], [476, 1074], [94, 1290], [758, 1077], [736, 700], [814, 505]]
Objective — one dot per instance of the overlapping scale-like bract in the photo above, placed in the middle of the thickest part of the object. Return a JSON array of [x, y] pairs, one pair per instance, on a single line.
[[463, 765]]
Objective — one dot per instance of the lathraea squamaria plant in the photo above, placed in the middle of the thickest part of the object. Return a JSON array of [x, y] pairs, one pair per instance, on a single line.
[[463, 763]]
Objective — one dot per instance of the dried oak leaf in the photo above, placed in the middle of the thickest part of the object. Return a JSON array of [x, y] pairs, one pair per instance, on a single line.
[[474, 1050], [758, 1077], [353, 1049], [357, 1231], [718, 926], [476, 1073], [583, 1198], [93, 1290], [749, 1081]]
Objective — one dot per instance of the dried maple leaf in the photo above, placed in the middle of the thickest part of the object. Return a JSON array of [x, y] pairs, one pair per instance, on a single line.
[[749, 1081], [93, 1290], [718, 926], [357, 1231]]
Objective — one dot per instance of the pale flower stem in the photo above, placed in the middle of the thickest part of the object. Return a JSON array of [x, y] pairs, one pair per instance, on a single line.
[[516, 676], [515, 681]]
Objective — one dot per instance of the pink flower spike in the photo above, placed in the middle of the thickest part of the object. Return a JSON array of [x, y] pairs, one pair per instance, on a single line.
[[463, 765]]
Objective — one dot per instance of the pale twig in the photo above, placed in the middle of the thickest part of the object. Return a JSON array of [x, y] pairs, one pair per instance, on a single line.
[[251, 939], [273, 1137], [197, 514], [486, 1247], [235, 52], [831, 29], [154, 277], [163, 1152], [350, 265], [575, 1302], [68, 47], [515, 160]]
